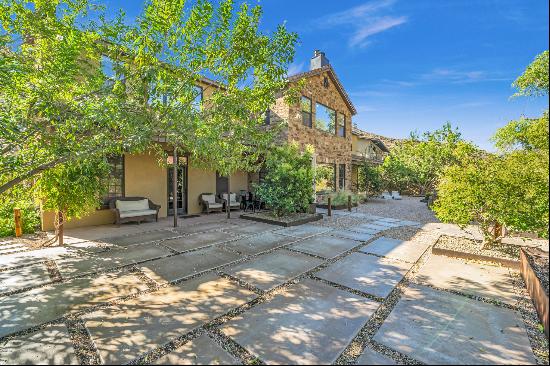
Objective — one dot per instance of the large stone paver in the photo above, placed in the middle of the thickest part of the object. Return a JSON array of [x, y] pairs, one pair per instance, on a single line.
[[32, 256], [366, 273], [365, 228], [325, 246], [203, 226], [252, 228], [140, 237], [385, 224], [183, 265], [198, 240], [370, 357], [469, 278], [437, 327], [49, 346], [200, 351], [27, 309], [303, 231], [73, 266], [348, 234], [19, 278], [408, 251], [273, 269], [124, 332], [259, 243], [311, 323]]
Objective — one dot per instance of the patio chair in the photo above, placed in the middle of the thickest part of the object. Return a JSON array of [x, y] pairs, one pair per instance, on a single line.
[[233, 203], [396, 196], [386, 195], [210, 203]]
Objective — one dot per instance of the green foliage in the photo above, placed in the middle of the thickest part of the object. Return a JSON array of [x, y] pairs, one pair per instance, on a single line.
[[370, 179], [529, 134], [534, 80], [288, 185], [341, 198], [74, 189], [324, 177], [416, 164], [18, 198]]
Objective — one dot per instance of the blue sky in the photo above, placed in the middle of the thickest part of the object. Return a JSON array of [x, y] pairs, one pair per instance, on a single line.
[[413, 65]]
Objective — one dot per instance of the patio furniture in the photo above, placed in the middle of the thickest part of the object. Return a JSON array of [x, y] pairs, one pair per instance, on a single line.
[[128, 209], [396, 196], [386, 195], [210, 203], [233, 203]]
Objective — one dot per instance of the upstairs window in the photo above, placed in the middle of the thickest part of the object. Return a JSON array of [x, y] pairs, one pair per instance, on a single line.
[[306, 111], [341, 125], [325, 118]]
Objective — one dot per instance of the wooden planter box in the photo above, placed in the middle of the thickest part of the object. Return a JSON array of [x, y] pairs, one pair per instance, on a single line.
[[464, 255], [274, 221], [336, 207], [534, 286]]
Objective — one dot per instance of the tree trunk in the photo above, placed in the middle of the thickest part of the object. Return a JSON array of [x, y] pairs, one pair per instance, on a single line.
[[175, 186], [227, 205], [59, 228]]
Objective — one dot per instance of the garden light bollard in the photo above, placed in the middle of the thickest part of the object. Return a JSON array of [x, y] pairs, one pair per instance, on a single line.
[[17, 218], [349, 203], [330, 206]]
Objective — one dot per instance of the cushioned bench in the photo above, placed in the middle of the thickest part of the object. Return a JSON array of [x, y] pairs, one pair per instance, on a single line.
[[138, 209]]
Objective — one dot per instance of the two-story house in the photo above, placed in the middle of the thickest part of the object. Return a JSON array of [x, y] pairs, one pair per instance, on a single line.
[[322, 119]]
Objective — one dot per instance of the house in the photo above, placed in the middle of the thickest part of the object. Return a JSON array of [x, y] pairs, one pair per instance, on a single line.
[[322, 119], [367, 148]]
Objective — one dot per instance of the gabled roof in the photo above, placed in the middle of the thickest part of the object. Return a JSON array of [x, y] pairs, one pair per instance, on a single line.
[[335, 80], [383, 142]]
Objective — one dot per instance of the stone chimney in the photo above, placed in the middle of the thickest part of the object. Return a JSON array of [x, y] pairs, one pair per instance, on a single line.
[[318, 60]]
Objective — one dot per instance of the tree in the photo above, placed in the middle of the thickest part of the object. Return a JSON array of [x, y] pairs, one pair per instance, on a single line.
[[288, 185], [56, 106], [417, 163], [72, 190], [534, 80], [370, 179]]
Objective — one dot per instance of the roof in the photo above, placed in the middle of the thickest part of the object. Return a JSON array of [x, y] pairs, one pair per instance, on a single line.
[[383, 142], [335, 80]]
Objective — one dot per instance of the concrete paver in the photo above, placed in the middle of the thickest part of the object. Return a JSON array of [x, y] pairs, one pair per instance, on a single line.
[[370, 357], [198, 240], [19, 278], [303, 231], [49, 346], [311, 323], [27, 309], [200, 351], [183, 265], [259, 243], [477, 279], [408, 251], [437, 327], [325, 246], [126, 331], [268, 271], [366, 273], [344, 233], [140, 237]]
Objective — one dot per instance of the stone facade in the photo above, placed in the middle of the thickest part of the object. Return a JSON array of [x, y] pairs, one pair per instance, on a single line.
[[329, 147]]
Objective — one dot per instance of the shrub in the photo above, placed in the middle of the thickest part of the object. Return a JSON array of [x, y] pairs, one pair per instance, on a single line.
[[288, 185], [341, 198], [30, 213], [370, 180]]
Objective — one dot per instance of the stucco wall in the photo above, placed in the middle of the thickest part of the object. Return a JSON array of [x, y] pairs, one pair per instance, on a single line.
[[199, 181]]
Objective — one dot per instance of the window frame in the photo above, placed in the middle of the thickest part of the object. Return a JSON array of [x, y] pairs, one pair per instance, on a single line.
[[335, 118], [310, 113], [109, 194], [343, 126], [341, 177]]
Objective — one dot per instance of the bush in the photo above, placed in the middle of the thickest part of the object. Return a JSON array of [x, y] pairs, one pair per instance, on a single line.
[[341, 198], [288, 185], [30, 213], [370, 180]]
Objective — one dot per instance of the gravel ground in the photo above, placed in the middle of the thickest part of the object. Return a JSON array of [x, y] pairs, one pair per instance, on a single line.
[[503, 251], [409, 208]]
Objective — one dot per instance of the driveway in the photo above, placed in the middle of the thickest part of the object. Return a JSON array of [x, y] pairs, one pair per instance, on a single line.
[[352, 288]]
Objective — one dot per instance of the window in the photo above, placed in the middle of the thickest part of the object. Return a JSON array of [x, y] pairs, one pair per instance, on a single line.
[[197, 102], [115, 179], [306, 111], [267, 118], [342, 176], [341, 125], [325, 118]]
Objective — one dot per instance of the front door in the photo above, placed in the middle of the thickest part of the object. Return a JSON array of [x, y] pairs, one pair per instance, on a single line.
[[181, 201]]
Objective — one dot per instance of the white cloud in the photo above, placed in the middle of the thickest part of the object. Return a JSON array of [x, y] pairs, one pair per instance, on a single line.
[[455, 76], [366, 20]]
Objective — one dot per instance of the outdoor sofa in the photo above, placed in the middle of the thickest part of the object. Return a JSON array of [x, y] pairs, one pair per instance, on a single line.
[[138, 209], [234, 204], [210, 203]]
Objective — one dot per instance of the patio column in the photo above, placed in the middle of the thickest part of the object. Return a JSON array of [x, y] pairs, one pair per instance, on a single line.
[[175, 186]]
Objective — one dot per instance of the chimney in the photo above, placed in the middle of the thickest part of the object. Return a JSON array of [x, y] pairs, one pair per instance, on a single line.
[[318, 60]]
